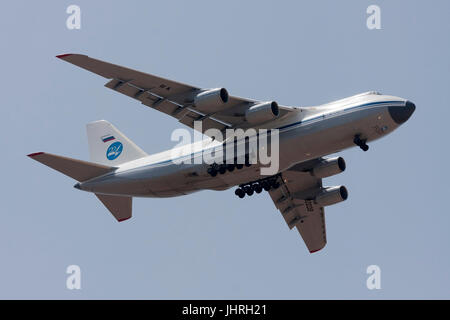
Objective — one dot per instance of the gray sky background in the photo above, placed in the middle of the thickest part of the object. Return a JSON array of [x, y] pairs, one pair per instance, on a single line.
[[212, 244]]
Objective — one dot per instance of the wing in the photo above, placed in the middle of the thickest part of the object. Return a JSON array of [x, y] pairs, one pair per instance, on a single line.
[[293, 199], [173, 98]]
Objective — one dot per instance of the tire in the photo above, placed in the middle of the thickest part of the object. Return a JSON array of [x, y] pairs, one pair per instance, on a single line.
[[248, 190], [240, 193], [266, 186]]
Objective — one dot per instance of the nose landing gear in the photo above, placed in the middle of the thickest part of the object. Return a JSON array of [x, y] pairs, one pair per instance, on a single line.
[[362, 143]]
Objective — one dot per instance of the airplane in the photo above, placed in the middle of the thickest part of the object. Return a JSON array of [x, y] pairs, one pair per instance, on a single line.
[[119, 170]]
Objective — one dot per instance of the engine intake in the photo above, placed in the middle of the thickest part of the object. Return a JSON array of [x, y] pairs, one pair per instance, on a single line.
[[211, 100], [329, 167], [262, 112], [332, 195]]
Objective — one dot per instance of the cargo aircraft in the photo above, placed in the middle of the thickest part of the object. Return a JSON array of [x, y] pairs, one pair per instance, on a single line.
[[119, 170]]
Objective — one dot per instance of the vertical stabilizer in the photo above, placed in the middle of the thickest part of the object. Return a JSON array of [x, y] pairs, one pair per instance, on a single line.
[[109, 146]]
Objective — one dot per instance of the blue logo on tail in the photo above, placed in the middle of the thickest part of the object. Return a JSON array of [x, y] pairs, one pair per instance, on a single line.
[[114, 150]]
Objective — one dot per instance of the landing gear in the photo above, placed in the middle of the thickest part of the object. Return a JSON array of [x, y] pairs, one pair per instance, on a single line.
[[239, 192], [250, 188], [215, 168], [222, 169], [361, 142], [212, 171]]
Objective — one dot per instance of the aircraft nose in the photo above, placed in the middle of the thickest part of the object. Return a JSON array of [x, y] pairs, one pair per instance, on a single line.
[[401, 114]]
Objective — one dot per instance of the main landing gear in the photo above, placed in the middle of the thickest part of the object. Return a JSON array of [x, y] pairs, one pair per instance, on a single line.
[[215, 168], [250, 188], [361, 142]]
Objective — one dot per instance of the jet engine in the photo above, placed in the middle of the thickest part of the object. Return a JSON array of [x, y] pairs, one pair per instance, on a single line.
[[211, 100], [328, 167], [331, 195], [262, 112]]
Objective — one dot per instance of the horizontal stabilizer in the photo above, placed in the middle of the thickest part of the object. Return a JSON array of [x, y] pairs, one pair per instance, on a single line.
[[119, 206], [78, 169]]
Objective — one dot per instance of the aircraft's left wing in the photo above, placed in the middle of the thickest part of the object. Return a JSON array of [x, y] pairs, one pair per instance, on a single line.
[[294, 200], [174, 98]]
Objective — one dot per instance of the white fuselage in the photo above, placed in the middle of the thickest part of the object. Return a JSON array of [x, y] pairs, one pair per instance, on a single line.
[[309, 133]]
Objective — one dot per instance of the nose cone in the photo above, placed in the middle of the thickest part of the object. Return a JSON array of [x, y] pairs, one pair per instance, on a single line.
[[401, 114]]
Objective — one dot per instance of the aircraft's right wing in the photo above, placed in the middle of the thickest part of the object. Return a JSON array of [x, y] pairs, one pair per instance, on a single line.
[[293, 199]]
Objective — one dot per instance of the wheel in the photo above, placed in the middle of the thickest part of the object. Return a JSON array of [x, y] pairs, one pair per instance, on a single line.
[[240, 193], [239, 166], [222, 169], [257, 188], [230, 167], [248, 190], [365, 147], [266, 186], [212, 172], [276, 185]]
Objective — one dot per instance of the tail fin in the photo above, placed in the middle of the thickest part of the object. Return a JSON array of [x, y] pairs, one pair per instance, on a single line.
[[119, 206], [107, 145], [77, 169]]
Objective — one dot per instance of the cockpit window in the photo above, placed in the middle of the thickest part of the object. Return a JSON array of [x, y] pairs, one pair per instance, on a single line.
[[369, 93], [352, 97]]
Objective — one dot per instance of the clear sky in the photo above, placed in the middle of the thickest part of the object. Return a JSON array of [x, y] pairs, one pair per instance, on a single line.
[[212, 244]]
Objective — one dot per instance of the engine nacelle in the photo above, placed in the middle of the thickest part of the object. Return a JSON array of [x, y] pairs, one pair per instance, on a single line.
[[329, 167], [262, 112], [211, 100], [331, 195]]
